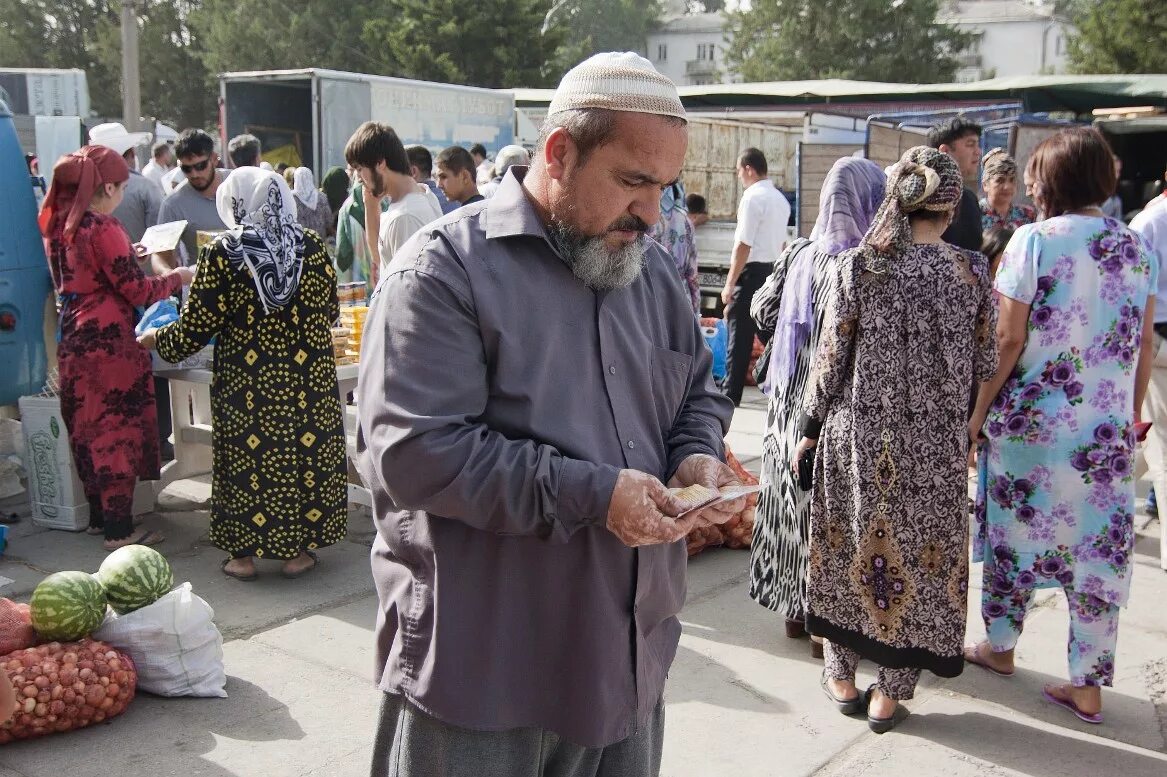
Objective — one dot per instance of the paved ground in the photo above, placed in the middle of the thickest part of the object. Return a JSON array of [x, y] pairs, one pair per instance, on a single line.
[[742, 699]]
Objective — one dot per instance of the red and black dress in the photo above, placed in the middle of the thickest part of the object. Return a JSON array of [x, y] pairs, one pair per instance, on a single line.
[[107, 388]]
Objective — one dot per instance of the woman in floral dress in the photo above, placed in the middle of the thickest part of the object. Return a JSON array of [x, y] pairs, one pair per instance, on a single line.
[[107, 385], [1055, 507], [908, 334], [999, 179]]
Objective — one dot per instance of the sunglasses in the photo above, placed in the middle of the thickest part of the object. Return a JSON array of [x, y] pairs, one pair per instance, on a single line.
[[197, 167]]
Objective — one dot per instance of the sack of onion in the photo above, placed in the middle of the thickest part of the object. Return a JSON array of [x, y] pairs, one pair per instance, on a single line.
[[61, 686]]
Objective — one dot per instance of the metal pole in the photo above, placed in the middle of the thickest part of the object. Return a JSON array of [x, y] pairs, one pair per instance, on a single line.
[[131, 85]]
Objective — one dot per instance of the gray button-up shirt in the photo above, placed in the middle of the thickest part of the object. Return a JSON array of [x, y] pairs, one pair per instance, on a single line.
[[499, 399], [139, 206]]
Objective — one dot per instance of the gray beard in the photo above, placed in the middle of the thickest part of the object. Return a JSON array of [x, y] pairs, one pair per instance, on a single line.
[[593, 263]]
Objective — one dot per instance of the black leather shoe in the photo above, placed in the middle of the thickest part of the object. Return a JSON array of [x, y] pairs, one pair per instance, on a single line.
[[884, 725], [845, 706]]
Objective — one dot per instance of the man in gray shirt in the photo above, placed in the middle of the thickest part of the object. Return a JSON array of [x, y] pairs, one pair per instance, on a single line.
[[531, 377], [194, 199]]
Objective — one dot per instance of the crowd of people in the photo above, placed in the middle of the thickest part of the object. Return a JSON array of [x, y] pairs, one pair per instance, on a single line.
[[536, 399]]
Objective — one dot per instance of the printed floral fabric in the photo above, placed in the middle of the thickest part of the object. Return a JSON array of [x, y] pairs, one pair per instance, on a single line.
[[1056, 496], [675, 233], [1018, 216], [898, 356], [107, 384]]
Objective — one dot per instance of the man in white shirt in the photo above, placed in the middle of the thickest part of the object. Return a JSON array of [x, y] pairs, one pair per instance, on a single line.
[[483, 165], [379, 158], [762, 216], [1152, 225], [161, 164]]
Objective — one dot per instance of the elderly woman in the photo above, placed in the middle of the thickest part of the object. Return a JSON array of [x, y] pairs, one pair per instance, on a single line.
[[999, 180], [790, 307], [267, 291], [311, 205], [1056, 502], [107, 385], [908, 333]]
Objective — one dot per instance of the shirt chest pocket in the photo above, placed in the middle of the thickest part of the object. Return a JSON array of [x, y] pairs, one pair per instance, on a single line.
[[670, 381]]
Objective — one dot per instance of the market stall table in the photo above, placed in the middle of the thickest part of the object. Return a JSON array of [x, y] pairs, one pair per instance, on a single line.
[[192, 434]]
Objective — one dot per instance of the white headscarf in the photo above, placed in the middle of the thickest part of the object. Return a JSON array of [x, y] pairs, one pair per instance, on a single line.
[[305, 188], [263, 234]]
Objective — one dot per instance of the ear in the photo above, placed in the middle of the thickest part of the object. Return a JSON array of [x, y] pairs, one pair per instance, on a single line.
[[944, 148], [558, 153]]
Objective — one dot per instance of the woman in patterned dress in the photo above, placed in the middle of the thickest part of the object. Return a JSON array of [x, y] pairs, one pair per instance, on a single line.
[[790, 307], [266, 289], [999, 180], [1056, 502], [908, 334], [107, 384]]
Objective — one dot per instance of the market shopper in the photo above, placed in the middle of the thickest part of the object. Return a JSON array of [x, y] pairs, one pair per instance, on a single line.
[[999, 180], [194, 199], [960, 138], [1151, 223], [758, 241], [421, 166], [356, 260], [790, 308], [675, 233], [138, 209], [531, 376], [909, 332], [456, 176], [107, 390], [161, 163], [1056, 497], [244, 151], [507, 157], [266, 290], [312, 209]]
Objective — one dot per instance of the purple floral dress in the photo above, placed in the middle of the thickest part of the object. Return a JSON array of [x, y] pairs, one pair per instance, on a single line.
[[1056, 500]]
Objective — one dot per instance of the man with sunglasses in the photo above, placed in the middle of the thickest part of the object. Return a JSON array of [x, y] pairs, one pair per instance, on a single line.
[[194, 200]]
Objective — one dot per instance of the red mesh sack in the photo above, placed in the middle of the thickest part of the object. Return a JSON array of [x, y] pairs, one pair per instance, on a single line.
[[737, 532], [61, 686], [16, 631]]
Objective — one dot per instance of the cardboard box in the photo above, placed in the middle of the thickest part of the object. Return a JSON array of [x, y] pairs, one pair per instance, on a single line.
[[55, 492]]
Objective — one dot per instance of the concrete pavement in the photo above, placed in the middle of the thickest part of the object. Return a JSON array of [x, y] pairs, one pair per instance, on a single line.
[[742, 699]]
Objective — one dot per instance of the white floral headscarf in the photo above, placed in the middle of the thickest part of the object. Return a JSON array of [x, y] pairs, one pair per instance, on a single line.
[[263, 234]]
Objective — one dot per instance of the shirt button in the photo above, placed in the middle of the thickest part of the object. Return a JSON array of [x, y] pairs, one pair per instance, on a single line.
[[611, 369], [631, 444]]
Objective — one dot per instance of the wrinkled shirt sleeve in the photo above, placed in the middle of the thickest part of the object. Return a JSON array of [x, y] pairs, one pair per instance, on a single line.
[[422, 391]]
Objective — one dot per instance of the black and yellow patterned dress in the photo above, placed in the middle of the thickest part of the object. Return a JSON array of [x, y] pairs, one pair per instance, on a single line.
[[279, 483]]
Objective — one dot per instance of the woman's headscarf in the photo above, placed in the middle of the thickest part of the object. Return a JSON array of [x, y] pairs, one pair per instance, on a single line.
[[335, 185], [76, 178], [304, 187], [851, 194], [998, 164], [263, 234], [924, 179]]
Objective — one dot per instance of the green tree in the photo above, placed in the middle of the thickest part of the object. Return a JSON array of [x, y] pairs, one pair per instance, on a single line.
[[868, 40], [592, 26], [491, 43], [1118, 36]]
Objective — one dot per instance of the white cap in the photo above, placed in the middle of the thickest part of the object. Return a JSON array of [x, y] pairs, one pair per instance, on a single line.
[[618, 82], [115, 136]]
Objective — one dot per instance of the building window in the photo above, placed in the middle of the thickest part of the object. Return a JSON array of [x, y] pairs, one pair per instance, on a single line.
[[712, 49], [1060, 46], [700, 51], [662, 52]]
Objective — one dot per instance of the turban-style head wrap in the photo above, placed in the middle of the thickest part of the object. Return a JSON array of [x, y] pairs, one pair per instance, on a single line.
[[923, 179], [76, 178], [998, 165]]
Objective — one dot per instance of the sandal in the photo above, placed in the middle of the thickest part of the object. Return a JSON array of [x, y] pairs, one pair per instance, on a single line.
[[845, 706], [973, 655], [147, 538], [94, 531], [1069, 704], [236, 575], [884, 725], [302, 572]]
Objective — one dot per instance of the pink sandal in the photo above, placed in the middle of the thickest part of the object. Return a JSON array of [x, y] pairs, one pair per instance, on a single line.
[[1068, 703]]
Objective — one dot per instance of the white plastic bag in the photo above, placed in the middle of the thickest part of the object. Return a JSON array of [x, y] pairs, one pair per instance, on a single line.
[[174, 642]]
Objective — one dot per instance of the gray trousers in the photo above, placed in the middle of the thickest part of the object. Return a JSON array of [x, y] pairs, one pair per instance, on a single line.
[[410, 743]]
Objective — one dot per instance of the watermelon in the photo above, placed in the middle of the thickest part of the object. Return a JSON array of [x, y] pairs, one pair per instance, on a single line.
[[67, 606], [134, 576]]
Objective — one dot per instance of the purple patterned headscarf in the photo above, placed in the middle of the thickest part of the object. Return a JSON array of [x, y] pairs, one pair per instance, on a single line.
[[851, 194]]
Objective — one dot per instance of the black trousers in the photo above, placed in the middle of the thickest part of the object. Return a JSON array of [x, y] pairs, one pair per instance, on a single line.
[[740, 327], [165, 420]]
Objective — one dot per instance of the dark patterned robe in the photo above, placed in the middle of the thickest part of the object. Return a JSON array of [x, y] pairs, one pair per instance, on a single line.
[[279, 483], [898, 357], [107, 386]]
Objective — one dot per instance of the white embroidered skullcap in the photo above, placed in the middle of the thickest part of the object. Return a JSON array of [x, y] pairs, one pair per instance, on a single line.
[[618, 81]]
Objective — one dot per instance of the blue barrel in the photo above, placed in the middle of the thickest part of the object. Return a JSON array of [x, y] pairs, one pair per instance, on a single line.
[[24, 274]]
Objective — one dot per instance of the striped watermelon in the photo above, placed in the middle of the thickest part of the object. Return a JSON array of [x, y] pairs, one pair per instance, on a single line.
[[67, 606], [134, 576]]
